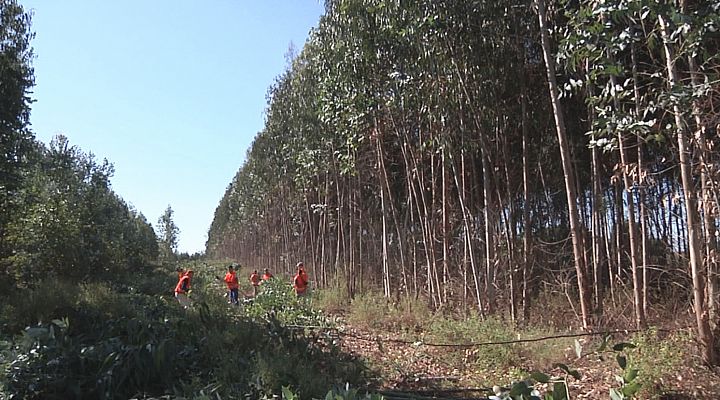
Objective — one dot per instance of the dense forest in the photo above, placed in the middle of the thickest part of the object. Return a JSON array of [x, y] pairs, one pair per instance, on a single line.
[[494, 154]]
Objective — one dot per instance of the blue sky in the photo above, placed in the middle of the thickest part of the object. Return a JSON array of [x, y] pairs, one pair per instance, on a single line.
[[172, 92]]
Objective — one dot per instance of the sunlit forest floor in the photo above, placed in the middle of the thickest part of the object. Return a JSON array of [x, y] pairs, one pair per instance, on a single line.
[[412, 356], [430, 371]]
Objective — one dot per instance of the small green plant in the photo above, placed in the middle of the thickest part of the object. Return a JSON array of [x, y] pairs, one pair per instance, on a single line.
[[529, 389], [657, 357], [629, 384]]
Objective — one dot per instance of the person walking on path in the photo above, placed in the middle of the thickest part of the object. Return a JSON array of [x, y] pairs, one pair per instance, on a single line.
[[300, 281], [266, 276], [232, 284], [182, 289], [255, 280]]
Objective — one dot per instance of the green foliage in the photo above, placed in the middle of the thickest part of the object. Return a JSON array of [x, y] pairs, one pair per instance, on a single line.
[[277, 301], [71, 224], [167, 235], [654, 357], [119, 339]]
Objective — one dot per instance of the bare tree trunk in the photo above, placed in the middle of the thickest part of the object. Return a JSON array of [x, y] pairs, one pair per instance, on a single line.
[[433, 271], [527, 252], [640, 179], [468, 232], [422, 213], [509, 215], [597, 231], [489, 237], [445, 227], [570, 190], [596, 217], [383, 211], [707, 202], [705, 334], [619, 227], [632, 225]]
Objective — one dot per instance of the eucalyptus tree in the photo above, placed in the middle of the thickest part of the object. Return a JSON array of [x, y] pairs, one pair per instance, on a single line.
[[568, 169], [676, 34], [599, 37]]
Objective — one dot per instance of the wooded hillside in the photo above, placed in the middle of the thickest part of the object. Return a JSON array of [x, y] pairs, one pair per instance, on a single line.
[[486, 152]]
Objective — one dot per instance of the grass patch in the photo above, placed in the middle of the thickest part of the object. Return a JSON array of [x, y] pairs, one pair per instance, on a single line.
[[658, 357]]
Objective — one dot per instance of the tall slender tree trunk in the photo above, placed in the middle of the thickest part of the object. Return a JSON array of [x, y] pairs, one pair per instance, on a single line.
[[707, 202], [468, 233], [445, 226], [640, 178], [575, 228], [383, 213], [705, 334], [632, 225], [489, 236], [527, 252]]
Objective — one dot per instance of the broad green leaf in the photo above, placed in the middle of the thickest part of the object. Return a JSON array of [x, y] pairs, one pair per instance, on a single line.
[[631, 388], [615, 395], [630, 375], [287, 394], [520, 389], [623, 346], [622, 361], [560, 391]]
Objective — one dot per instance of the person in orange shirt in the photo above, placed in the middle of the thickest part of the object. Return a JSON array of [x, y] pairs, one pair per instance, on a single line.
[[232, 284], [183, 288], [300, 281], [255, 280], [266, 276]]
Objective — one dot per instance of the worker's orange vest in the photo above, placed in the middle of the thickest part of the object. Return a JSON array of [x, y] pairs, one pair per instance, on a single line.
[[231, 280], [183, 284], [300, 283]]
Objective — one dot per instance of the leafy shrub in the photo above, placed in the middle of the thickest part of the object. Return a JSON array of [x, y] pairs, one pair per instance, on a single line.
[[277, 301]]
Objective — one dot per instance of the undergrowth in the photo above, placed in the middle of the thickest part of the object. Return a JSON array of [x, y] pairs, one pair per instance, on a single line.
[[125, 338]]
